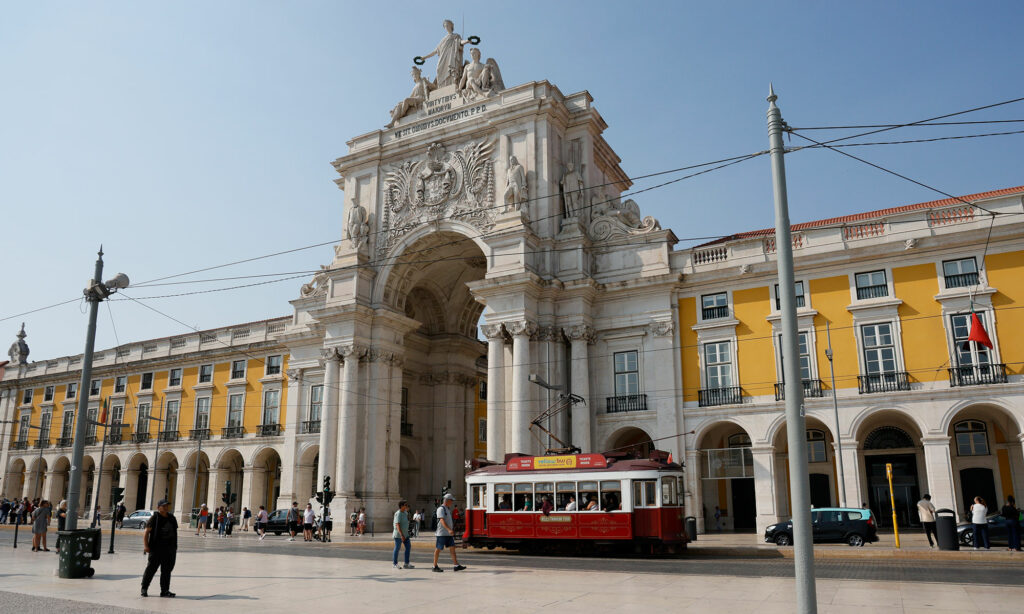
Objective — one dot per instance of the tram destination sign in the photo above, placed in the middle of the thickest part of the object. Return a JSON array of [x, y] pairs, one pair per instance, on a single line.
[[569, 461]]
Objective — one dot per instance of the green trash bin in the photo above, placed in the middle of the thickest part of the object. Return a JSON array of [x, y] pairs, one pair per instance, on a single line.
[[78, 549]]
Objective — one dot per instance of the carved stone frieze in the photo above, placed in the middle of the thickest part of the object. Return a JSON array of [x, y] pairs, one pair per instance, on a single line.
[[294, 373], [521, 328], [395, 359], [550, 333], [316, 286], [661, 328], [441, 185], [612, 219], [441, 378], [581, 332]]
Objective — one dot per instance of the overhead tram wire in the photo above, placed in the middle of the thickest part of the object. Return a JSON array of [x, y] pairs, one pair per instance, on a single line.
[[916, 125], [909, 141]]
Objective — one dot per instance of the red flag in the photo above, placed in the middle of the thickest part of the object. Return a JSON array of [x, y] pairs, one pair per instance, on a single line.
[[103, 413], [670, 457], [978, 334]]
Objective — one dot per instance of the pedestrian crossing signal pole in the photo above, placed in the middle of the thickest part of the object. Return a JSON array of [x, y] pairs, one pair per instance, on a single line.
[[892, 503], [800, 488]]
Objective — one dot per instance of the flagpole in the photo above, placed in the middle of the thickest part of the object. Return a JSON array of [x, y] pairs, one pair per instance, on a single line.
[[103, 450]]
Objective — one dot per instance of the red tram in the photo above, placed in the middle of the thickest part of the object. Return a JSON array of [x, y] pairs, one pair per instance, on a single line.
[[593, 501]]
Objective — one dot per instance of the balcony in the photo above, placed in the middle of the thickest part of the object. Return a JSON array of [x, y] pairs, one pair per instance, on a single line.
[[65, 442], [168, 435], [720, 396], [812, 388], [232, 432], [114, 434], [140, 437], [866, 292], [20, 445], [42, 444], [963, 280], [199, 434], [626, 402], [268, 430], [406, 429], [977, 375], [310, 426], [714, 313], [883, 382]]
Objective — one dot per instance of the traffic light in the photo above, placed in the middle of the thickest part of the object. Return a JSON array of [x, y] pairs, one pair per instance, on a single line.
[[228, 497], [320, 498], [117, 493]]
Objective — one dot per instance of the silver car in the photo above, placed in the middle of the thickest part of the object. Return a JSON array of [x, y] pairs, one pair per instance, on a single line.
[[137, 519]]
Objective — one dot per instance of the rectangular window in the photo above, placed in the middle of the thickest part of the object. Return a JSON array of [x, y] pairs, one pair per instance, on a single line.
[[48, 394], [67, 427], [565, 494], [142, 419], [26, 397], [44, 425], [90, 426], [271, 406], [316, 402], [23, 427], [117, 414], [147, 381], [523, 500], [481, 430], [668, 491], [714, 306], [202, 413], [871, 285], [174, 377], [798, 290], [273, 365], [816, 446], [805, 357], [645, 493], [171, 416], [879, 348], [718, 364], [503, 497], [627, 374], [483, 390], [94, 388], [238, 369], [235, 408], [478, 499], [960, 273], [205, 374], [72, 391], [120, 383], [974, 354]]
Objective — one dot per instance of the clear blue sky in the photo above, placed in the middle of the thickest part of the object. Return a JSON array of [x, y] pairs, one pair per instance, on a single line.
[[187, 134]]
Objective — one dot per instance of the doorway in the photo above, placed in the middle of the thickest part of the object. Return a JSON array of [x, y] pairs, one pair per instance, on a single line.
[[140, 493], [743, 506], [906, 491], [821, 495], [978, 482]]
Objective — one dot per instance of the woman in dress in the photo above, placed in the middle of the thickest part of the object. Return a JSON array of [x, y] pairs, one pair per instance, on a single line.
[[40, 520]]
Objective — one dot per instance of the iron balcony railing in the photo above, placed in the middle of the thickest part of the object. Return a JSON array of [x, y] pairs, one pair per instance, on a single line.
[[406, 429], [977, 375], [42, 444], [311, 426], [197, 434], [626, 402], [812, 388], [883, 382], [114, 434], [713, 313], [232, 432], [65, 442], [268, 430], [140, 437], [962, 280], [169, 435], [20, 445], [720, 396], [866, 292]]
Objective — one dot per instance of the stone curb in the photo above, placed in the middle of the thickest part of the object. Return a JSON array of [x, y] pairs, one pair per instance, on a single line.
[[865, 553]]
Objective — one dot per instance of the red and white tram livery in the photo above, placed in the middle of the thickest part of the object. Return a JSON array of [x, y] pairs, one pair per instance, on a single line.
[[577, 501]]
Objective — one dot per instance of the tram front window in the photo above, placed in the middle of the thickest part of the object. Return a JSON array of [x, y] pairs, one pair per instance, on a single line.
[[668, 491], [588, 500], [503, 497], [565, 493], [645, 493], [543, 489], [479, 500], [524, 498], [611, 495]]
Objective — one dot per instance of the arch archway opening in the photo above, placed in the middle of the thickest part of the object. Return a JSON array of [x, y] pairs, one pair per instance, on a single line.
[[727, 479], [983, 441], [890, 438]]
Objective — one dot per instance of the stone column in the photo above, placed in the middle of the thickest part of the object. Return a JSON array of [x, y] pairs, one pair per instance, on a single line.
[[394, 448], [693, 499], [939, 466], [495, 391], [383, 431], [658, 373], [764, 487], [249, 487], [293, 422], [182, 495], [581, 337], [851, 473], [521, 410], [53, 487], [348, 420], [329, 413]]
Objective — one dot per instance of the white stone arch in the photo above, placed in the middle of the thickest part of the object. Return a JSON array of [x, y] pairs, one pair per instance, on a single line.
[[869, 413], [711, 423], [965, 404], [224, 453], [260, 451], [305, 469], [618, 438]]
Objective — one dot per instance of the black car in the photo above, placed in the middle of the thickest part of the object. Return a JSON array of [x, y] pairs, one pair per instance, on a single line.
[[277, 522], [997, 531], [830, 524]]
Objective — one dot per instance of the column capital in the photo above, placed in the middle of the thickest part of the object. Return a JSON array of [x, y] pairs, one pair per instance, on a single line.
[[329, 355], [550, 333], [581, 332], [493, 332], [353, 351], [294, 373], [521, 328]]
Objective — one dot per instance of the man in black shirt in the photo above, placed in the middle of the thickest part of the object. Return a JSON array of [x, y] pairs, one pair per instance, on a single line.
[[161, 543]]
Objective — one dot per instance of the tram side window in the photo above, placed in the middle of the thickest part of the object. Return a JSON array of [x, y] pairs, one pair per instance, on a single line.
[[524, 498], [543, 489], [479, 496], [565, 497], [668, 491], [588, 501], [611, 495], [645, 493], [503, 497]]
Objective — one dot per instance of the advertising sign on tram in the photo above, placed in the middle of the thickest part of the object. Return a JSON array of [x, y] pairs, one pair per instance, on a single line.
[[570, 461]]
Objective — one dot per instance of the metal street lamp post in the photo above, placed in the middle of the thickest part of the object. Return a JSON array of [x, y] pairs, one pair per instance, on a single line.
[[835, 411], [156, 457]]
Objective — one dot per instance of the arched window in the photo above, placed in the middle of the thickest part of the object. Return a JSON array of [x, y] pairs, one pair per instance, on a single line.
[[816, 446], [739, 440], [971, 438], [888, 438]]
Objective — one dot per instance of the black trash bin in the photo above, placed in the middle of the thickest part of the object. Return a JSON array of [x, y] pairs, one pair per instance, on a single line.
[[691, 528], [78, 549], [945, 527]]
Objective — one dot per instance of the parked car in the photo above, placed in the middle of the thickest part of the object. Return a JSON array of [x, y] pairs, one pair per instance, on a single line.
[[997, 533], [853, 526], [277, 522], [137, 519]]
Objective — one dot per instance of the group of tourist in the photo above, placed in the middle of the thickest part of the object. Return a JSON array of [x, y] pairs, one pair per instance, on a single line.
[[222, 520], [1010, 513], [17, 511]]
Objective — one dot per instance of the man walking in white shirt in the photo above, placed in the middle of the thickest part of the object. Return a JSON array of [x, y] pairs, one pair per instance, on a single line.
[[926, 511]]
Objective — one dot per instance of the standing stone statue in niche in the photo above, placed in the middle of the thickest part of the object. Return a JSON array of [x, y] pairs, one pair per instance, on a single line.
[[480, 80], [516, 192], [358, 225], [419, 94], [572, 190], [449, 56]]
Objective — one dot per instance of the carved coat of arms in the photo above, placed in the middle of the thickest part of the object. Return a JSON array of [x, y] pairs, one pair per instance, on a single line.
[[457, 185]]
